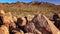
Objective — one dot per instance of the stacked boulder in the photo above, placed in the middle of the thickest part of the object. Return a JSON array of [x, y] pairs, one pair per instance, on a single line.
[[10, 24]]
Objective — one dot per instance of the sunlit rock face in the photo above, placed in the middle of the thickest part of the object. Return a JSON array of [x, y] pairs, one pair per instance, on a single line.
[[41, 24], [4, 30], [38, 24]]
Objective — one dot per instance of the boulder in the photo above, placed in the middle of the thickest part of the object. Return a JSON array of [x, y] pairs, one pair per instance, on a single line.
[[56, 19], [12, 26], [29, 33], [14, 18], [21, 21], [41, 24], [30, 27], [53, 28], [4, 30], [36, 31], [17, 32], [59, 32], [7, 18], [2, 12], [1, 20]]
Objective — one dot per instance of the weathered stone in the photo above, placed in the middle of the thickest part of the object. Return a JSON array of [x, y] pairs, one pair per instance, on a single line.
[[7, 18], [41, 24], [2, 12], [36, 31], [56, 19], [12, 26], [4, 30], [59, 32], [1, 20], [29, 27], [53, 28], [21, 21], [17, 32], [14, 18], [29, 33]]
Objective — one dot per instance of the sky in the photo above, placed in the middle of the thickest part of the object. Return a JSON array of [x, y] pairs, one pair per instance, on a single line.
[[51, 1]]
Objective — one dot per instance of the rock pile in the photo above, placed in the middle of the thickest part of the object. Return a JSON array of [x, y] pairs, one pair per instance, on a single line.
[[9, 24]]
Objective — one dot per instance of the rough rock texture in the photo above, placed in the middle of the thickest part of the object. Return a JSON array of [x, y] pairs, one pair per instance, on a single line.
[[21, 21], [7, 18], [4, 30], [52, 26], [17, 32], [14, 18], [1, 16], [41, 24], [29, 33], [9, 24], [2, 12], [30, 27]]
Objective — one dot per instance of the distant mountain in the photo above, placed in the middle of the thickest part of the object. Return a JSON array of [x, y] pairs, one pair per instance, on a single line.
[[31, 7], [31, 3]]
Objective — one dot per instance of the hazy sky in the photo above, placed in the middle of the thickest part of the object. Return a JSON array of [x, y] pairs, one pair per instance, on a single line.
[[51, 1]]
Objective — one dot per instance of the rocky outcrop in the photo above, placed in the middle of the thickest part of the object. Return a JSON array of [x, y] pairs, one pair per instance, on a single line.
[[52, 26], [40, 24]]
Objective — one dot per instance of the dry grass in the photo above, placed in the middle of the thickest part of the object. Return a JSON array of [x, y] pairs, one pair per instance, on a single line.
[[24, 9]]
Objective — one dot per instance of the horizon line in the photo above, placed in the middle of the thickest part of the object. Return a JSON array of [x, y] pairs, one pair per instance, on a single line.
[[28, 2]]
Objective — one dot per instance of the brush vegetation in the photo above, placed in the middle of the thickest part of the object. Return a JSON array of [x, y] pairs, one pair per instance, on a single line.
[[32, 8]]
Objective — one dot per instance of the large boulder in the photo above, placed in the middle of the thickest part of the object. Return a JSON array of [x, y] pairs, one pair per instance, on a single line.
[[53, 28], [12, 26], [7, 18], [2, 12], [41, 24], [1, 16], [4, 30], [21, 21], [56, 20], [17, 32], [30, 29]]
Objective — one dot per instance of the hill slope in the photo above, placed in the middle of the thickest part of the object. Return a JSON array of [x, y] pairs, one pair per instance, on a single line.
[[31, 8]]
